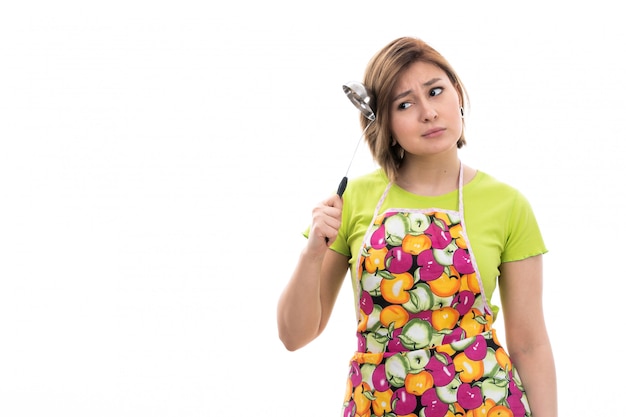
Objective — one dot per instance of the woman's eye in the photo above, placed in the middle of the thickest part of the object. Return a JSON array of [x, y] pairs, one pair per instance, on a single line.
[[436, 91], [404, 106]]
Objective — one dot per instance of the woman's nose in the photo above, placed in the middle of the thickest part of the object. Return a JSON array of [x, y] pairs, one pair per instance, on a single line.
[[428, 113]]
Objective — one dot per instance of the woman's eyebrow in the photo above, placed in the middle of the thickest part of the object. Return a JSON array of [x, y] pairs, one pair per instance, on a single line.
[[431, 82], [407, 92]]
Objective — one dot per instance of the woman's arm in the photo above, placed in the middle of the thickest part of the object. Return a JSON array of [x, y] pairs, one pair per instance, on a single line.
[[521, 292], [305, 305]]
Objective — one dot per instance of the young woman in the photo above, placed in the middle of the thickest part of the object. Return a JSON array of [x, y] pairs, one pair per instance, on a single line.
[[426, 239]]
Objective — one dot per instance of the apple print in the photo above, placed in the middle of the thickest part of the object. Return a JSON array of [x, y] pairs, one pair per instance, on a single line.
[[469, 397], [367, 369], [375, 343], [453, 337], [445, 256], [373, 320], [377, 240], [416, 334], [349, 409], [396, 368], [396, 228], [477, 350], [433, 406], [462, 261], [355, 374], [371, 283], [449, 393], [421, 299], [379, 378], [439, 234], [492, 368], [418, 359], [395, 344], [366, 303], [441, 368], [360, 342], [403, 402], [463, 301], [398, 261], [496, 389], [428, 269], [418, 222]]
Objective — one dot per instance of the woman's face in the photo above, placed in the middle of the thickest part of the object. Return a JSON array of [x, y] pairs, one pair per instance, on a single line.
[[425, 111]]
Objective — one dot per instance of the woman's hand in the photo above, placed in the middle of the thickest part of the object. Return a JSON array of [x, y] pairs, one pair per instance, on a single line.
[[325, 223]]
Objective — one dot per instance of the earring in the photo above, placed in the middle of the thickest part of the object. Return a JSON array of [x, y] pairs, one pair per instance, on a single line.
[[462, 112], [394, 142]]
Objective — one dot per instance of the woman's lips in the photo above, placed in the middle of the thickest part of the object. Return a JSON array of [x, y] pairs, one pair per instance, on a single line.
[[434, 132]]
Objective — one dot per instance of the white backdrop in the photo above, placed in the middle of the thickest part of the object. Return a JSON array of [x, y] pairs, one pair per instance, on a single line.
[[158, 161]]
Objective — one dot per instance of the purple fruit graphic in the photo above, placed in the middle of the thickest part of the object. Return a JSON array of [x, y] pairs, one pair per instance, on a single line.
[[441, 368], [377, 241], [454, 336], [403, 402], [429, 269], [349, 409], [464, 301], [433, 406], [355, 374], [477, 351], [462, 261], [366, 303], [361, 342], [469, 397], [439, 234], [516, 405], [379, 378], [395, 345], [398, 261]]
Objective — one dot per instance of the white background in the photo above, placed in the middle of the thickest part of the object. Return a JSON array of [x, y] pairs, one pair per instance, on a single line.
[[158, 161]]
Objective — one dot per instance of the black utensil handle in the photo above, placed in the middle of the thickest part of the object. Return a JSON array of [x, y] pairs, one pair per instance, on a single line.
[[342, 187]]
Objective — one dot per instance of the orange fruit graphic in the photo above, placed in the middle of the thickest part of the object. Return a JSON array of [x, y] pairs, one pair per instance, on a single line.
[[468, 369], [446, 285], [382, 403], [394, 314], [360, 399], [415, 244], [396, 290], [503, 359], [418, 383], [471, 322], [483, 410], [445, 318], [500, 411], [376, 260]]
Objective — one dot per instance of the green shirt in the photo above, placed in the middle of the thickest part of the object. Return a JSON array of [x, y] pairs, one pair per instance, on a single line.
[[501, 226]]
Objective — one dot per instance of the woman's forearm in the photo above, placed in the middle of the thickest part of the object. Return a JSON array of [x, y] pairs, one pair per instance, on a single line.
[[299, 306], [537, 371]]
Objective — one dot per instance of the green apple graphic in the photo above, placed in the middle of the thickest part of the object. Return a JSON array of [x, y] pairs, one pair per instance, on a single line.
[[448, 393], [421, 299], [496, 389], [416, 334], [445, 256], [418, 359], [371, 283], [396, 368], [396, 227], [418, 222]]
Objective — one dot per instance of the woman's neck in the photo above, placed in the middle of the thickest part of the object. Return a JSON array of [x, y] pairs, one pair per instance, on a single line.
[[429, 177]]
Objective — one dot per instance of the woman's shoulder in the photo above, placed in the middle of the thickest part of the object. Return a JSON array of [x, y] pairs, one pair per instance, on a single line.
[[371, 180], [484, 181], [491, 190]]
